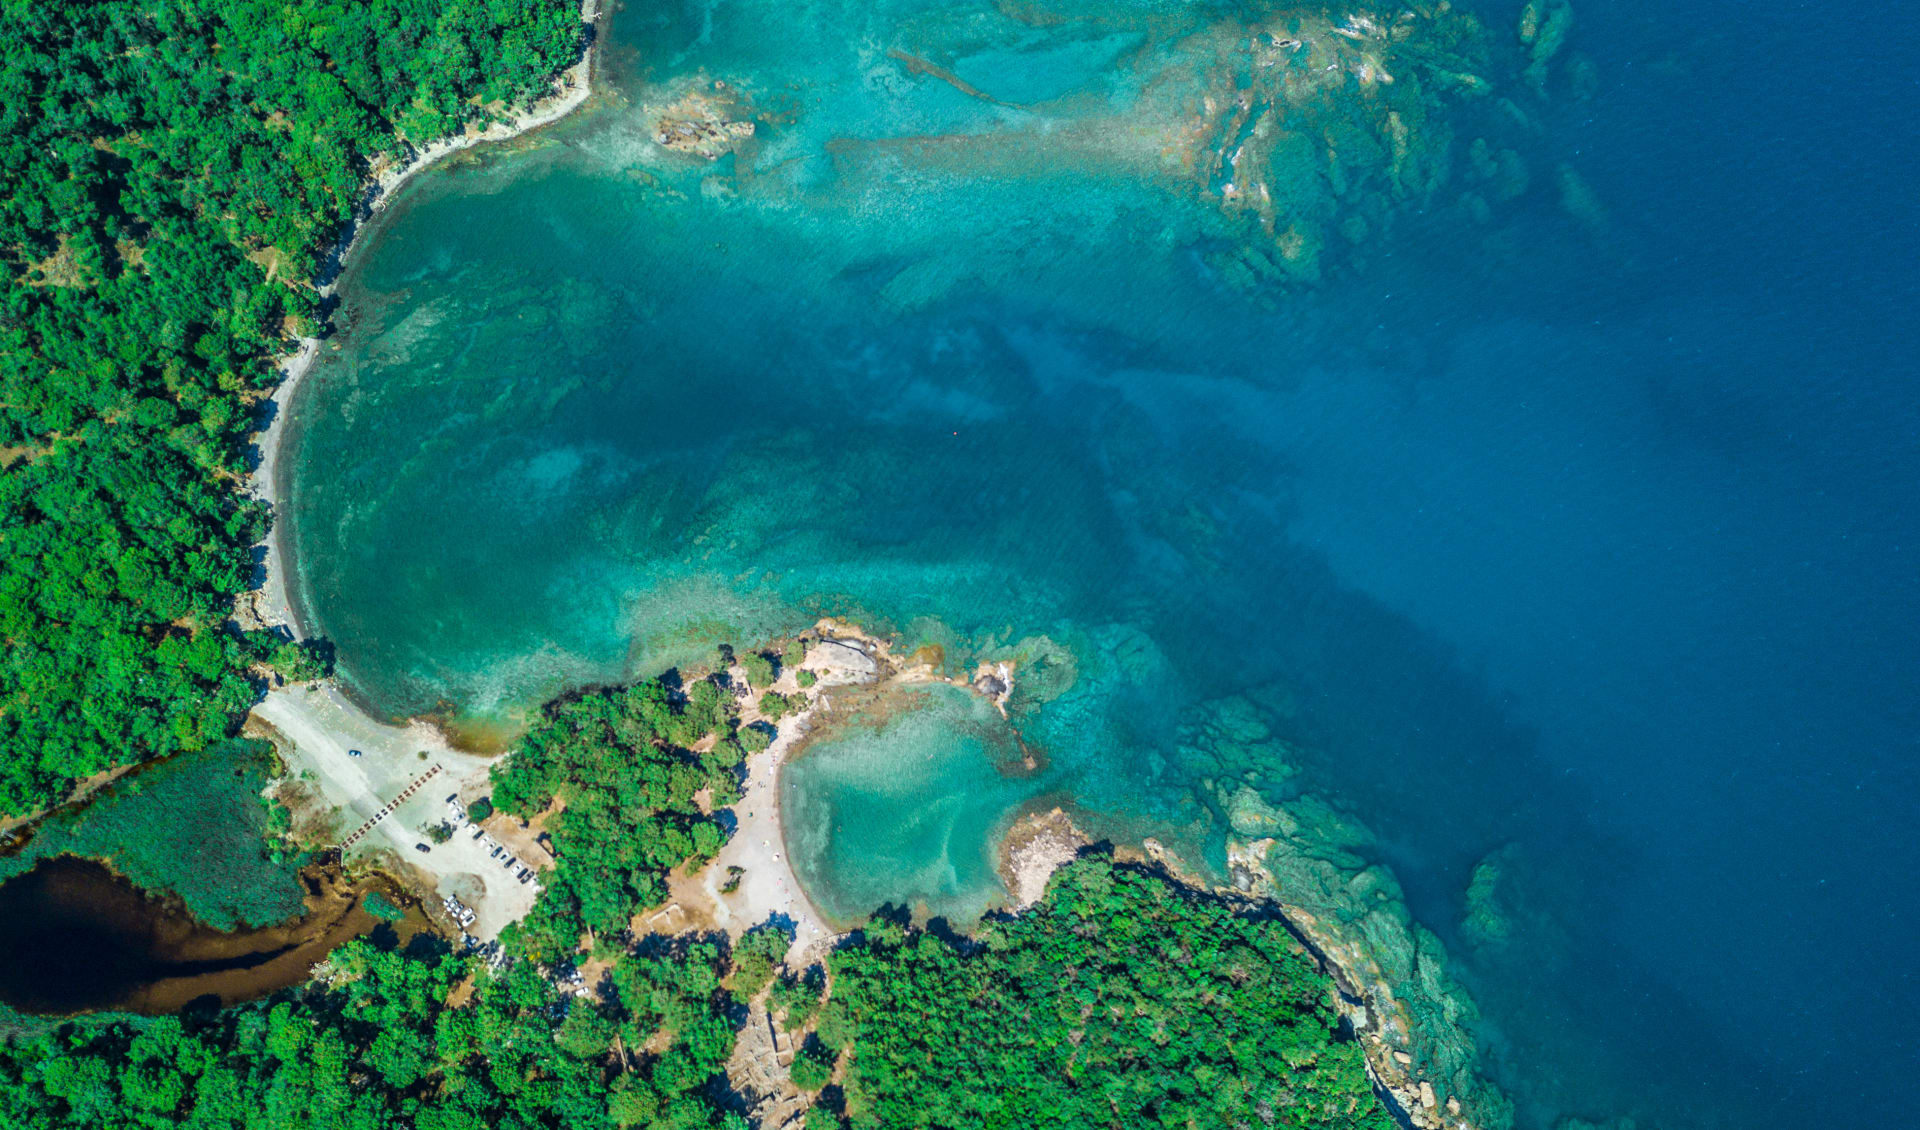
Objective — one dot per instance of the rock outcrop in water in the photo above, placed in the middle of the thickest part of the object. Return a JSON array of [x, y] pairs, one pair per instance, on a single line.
[[1035, 847], [841, 662], [1543, 29], [708, 122]]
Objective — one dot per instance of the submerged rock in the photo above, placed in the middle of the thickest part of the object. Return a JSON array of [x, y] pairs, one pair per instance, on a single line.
[[1317, 122], [1581, 201], [1047, 669], [1530, 22], [1488, 920], [1544, 30], [1504, 171]]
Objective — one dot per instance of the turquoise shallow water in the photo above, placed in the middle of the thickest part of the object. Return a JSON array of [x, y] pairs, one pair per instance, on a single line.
[[905, 808], [1509, 497]]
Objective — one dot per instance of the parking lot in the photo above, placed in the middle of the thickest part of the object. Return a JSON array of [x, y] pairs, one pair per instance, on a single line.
[[390, 786]]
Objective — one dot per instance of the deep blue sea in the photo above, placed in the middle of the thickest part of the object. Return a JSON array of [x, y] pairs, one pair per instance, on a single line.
[[1670, 526], [1579, 520]]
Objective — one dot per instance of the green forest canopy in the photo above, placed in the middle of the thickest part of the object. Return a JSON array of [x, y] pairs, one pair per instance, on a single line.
[[1119, 1001], [1122, 999], [174, 175], [176, 172], [621, 763]]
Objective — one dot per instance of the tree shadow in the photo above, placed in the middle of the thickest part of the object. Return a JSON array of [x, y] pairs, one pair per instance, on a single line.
[[956, 941], [427, 946]]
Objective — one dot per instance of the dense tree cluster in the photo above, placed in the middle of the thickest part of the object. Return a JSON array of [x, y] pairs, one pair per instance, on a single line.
[[677, 993], [390, 1039], [1120, 1000], [758, 668], [621, 767], [755, 958], [172, 176]]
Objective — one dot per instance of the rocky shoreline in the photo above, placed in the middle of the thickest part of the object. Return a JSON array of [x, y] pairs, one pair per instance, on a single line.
[[1302, 860], [1406, 1054], [1390, 1036], [1305, 861], [1037, 845], [1297, 860], [1397, 1047], [1318, 867]]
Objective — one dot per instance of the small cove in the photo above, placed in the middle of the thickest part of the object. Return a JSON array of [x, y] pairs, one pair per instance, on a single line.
[[905, 806]]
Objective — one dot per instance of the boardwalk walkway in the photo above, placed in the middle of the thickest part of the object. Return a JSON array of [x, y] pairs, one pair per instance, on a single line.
[[388, 808]]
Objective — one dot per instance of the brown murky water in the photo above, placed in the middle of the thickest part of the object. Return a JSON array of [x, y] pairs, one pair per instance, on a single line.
[[76, 937]]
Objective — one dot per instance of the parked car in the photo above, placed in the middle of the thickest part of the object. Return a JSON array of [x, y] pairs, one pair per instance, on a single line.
[[354, 753], [421, 847]]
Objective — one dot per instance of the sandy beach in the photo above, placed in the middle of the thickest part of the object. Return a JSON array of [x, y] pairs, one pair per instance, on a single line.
[[355, 764], [270, 604], [768, 889]]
